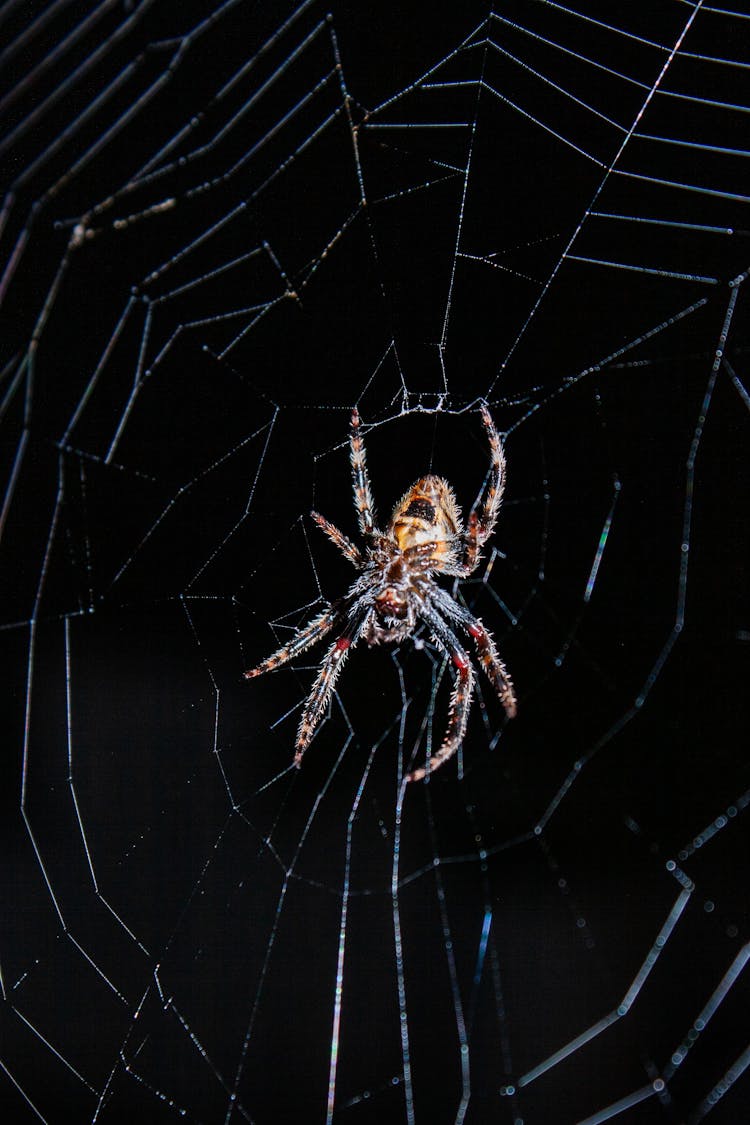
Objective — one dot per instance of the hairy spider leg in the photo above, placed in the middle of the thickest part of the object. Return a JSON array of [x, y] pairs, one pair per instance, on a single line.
[[458, 714], [481, 526], [496, 484], [494, 668], [325, 682], [348, 549], [363, 501], [470, 559], [314, 631], [489, 657], [426, 557]]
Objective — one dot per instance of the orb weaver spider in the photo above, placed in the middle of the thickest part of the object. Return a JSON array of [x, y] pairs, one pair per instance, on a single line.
[[397, 589]]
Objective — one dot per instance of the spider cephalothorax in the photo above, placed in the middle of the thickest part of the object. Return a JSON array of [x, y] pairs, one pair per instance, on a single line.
[[396, 590]]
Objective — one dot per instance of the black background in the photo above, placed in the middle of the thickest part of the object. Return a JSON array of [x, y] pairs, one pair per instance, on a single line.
[[172, 891]]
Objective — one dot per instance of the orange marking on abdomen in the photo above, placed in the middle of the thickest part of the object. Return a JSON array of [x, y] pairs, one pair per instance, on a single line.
[[412, 532]]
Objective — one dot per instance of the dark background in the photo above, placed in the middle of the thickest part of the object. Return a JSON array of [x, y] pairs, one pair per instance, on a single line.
[[279, 215]]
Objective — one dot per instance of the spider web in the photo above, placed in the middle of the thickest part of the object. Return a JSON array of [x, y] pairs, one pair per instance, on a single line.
[[224, 225]]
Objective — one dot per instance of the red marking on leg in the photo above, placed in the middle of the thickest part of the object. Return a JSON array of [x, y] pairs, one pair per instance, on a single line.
[[476, 631], [460, 661], [343, 643]]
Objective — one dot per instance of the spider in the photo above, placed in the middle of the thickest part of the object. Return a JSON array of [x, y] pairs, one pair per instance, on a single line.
[[397, 589]]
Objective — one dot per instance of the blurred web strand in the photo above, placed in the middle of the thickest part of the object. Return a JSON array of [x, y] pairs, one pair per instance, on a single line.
[[602, 543], [288, 875], [339, 993], [679, 620], [722, 1087], [625, 1004]]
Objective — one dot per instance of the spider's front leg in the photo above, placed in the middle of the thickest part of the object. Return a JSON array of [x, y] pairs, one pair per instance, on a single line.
[[460, 700], [482, 524], [363, 501]]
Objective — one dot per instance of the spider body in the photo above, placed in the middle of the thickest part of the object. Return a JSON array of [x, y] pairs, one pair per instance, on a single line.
[[428, 513], [397, 589], [420, 535]]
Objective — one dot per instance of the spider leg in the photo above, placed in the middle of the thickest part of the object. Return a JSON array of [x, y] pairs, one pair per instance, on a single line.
[[481, 525], [472, 544], [325, 682], [496, 484], [489, 657], [363, 501], [345, 545], [314, 631], [494, 668], [422, 555], [460, 700], [425, 556]]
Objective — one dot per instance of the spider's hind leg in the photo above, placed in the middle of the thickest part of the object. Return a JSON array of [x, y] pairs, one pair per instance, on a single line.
[[489, 657], [494, 668], [460, 700]]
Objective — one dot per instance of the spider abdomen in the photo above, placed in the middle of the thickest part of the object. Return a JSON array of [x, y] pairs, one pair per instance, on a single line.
[[428, 513]]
